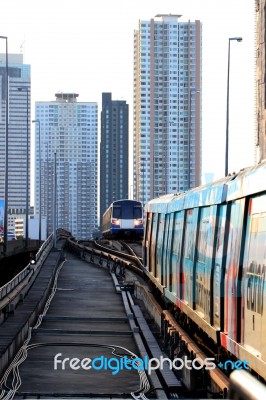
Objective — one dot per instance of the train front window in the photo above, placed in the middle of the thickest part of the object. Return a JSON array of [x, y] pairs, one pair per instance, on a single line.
[[117, 212], [137, 212]]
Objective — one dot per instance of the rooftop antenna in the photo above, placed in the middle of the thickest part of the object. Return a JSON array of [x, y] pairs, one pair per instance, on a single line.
[[22, 47]]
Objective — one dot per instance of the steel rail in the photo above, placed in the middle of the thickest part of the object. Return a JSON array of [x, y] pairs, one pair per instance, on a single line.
[[120, 254]]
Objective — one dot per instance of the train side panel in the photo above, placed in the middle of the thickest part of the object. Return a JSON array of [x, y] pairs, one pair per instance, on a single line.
[[106, 223], [254, 275]]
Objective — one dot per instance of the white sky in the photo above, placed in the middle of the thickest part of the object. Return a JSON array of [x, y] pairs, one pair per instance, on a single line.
[[86, 47]]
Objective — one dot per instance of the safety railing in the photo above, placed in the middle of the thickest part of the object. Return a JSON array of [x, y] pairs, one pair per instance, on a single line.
[[21, 279]]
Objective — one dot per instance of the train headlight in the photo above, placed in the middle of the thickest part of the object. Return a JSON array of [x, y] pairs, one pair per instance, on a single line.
[[116, 221], [138, 222]]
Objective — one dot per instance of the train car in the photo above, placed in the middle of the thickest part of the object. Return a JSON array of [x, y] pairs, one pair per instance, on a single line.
[[205, 251], [123, 219]]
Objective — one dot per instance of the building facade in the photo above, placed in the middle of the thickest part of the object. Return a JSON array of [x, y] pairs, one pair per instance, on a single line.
[[67, 156], [167, 106], [114, 151], [260, 139], [19, 122]]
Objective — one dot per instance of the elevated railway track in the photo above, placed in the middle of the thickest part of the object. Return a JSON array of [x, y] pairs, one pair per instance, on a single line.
[[61, 328]]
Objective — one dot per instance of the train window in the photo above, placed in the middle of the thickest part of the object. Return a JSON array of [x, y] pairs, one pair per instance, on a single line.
[[137, 212], [190, 236], [117, 212]]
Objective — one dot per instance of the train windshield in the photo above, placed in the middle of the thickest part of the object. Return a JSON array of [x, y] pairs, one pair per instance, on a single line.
[[117, 212], [137, 212], [127, 211]]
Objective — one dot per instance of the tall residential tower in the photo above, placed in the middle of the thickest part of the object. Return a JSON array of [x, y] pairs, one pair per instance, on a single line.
[[167, 106], [114, 151], [19, 88], [68, 140]]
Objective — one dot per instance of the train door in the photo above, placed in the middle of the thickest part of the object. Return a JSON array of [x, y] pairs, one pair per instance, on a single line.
[[159, 247], [152, 261], [169, 246], [219, 266], [165, 265], [176, 279], [254, 275], [232, 276], [147, 240], [204, 260], [188, 292]]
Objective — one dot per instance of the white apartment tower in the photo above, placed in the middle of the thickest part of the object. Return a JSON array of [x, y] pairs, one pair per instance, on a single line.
[[69, 157], [167, 106]]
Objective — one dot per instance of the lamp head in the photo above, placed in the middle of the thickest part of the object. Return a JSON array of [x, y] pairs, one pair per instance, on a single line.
[[238, 38]]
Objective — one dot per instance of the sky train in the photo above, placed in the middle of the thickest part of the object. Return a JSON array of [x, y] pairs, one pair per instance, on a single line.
[[123, 219], [205, 251]]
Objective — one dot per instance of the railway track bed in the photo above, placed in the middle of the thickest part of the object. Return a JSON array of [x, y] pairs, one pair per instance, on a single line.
[[91, 316], [88, 318]]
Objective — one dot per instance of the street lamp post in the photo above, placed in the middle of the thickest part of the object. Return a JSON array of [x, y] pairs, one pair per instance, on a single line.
[[238, 39], [55, 199], [143, 177], [6, 155], [26, 89], [191, 90], [40, 182]]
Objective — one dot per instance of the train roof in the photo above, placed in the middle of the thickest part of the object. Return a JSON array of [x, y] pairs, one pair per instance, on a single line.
[[123, 201], [126, 201], [248, 181], [209, 194]]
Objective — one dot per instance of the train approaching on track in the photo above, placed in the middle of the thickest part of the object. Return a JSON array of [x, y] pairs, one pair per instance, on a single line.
[[205, 251], [123, 219]]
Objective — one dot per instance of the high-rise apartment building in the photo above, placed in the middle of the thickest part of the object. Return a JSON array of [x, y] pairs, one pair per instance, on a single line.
[[19, 122], [167, 106], [260, 139], [114, 151], [68, 157]]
